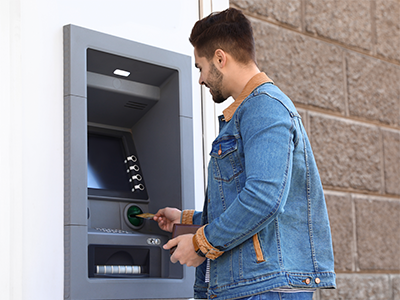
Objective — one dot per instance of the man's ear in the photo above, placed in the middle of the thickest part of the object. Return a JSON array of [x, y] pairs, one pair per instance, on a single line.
[[220, 58]]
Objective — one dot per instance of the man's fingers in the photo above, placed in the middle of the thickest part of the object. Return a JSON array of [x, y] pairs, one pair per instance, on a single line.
[[185, 251], [171, 243]]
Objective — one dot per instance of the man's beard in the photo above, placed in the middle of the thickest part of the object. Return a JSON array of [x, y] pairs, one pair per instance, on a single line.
[[215, 85]]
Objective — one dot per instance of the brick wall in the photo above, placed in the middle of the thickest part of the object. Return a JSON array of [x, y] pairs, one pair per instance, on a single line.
[[339, 61]]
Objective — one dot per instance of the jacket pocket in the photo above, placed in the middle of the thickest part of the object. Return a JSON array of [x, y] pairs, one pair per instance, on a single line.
[[225, 159], [257, 248]]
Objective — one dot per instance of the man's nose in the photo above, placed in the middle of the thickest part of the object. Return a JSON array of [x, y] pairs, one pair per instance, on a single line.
[[201, 80]]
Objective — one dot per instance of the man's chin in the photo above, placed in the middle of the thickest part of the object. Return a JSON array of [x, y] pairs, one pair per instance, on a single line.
[[218, 98]]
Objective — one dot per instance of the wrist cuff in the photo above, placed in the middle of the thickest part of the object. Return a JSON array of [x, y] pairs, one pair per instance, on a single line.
[[196, 247], [187, 216], [205, 246]]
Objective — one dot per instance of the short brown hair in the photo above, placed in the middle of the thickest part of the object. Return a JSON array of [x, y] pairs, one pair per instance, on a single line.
[[228, 30]]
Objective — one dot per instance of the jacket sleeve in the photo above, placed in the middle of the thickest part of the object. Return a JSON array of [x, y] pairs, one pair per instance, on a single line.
[[266, 130]]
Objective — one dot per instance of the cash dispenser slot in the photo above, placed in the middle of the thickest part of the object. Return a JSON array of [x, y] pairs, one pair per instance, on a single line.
[[107, 261]]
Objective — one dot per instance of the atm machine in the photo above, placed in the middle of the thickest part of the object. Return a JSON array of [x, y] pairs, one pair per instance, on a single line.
[[128, 149]]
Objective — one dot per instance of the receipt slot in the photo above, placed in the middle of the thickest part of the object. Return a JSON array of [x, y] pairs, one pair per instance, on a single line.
[[128, 149]]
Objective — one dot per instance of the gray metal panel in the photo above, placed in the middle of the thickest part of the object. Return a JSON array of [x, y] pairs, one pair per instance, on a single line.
[[75, 264], [140, 71], [158, 144], [185, 81], [187, 159], [75, 161], [104, 214], [128, 87], [74, 62], [123, 110]]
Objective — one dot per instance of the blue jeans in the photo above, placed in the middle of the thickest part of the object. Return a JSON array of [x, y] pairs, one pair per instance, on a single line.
[[281, 296]]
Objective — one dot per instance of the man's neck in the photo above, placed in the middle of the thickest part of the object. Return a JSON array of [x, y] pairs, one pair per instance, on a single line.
[[239, 76]]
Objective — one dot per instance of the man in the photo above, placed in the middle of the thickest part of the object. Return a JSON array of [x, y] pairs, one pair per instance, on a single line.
[[265, 230]]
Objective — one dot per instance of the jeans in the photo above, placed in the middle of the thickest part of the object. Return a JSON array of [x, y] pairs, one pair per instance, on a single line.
[[281, 296]]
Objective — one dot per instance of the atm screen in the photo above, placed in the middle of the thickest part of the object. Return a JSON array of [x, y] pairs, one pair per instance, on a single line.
[[111, 173], [106, 167]]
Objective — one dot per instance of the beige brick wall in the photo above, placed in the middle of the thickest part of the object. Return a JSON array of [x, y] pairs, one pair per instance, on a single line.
[[339, 61]]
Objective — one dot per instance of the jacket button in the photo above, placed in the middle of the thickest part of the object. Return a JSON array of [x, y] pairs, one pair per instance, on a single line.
[[307, 281], [317, 280]]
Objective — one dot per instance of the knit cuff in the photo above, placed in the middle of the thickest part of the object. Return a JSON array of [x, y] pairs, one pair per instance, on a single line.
[[187, 216], [205, 246]]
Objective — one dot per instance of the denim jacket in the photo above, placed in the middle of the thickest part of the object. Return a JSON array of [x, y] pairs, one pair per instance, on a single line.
[[265, 219]]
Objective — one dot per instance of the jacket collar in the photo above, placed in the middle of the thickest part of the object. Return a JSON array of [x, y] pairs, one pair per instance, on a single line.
[[254, 82]]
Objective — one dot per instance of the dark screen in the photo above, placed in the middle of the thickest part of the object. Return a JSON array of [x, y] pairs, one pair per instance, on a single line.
[[106, 167]]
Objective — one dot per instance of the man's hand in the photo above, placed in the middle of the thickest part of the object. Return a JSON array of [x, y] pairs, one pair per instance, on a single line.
[[184, 252], [167, 217]]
